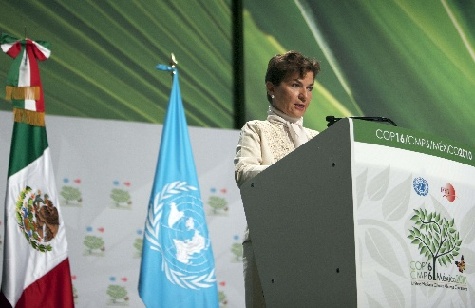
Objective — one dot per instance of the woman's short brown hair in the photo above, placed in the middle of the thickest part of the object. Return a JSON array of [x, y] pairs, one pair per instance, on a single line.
[[282, 65]]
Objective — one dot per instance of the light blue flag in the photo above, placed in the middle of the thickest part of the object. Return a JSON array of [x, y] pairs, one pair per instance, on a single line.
[[177, 267]]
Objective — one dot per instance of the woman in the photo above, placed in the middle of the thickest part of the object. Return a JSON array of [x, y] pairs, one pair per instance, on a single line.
[[289, 83]]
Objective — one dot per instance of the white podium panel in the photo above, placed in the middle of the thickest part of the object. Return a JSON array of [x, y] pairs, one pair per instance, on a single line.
[[365, 214]]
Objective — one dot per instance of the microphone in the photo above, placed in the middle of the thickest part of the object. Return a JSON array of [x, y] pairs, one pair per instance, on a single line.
[[332, 120]]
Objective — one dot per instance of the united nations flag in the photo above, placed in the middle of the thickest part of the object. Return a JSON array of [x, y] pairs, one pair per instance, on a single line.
[[177, 267]]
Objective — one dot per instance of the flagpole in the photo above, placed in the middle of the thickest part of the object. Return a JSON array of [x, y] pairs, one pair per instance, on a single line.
[[177, 267]]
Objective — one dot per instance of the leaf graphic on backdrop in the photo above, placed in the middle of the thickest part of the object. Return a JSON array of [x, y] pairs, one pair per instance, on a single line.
[[372, 302], [440, 208], [392, 292], [360, 251], [380, 249], [427, 292], [360, 186], [471, 289], [378, 185], [467, 227], [463, 296], [396, 202], [441, 297]]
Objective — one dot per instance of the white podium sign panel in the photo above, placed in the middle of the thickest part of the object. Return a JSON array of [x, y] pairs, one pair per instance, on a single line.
[[414, 209], [366, 215]]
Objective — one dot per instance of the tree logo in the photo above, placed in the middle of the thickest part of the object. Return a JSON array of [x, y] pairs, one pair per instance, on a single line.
[[71, 195], [38, 218], [218, 205], [70, 192], [120, 198], [94, 245], [436, 238], [120, 195], [117, 295]]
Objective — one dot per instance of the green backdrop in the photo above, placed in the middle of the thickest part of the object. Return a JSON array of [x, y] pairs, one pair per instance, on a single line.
[[410, 61]]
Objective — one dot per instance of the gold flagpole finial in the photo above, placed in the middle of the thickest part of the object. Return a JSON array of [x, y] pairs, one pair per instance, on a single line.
[[173, 63]]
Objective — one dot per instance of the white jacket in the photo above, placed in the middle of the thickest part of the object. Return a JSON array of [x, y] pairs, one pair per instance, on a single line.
[[261, 144]]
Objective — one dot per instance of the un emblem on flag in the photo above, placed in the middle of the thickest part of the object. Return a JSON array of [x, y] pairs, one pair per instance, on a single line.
[[176, 227]]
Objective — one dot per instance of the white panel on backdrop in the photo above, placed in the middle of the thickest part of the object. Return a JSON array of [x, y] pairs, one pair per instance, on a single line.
[[104, 172]]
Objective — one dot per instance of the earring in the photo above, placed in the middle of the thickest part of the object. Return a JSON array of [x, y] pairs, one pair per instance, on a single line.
[[272, 96]]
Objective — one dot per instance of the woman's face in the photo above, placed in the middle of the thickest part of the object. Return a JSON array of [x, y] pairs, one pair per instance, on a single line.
[[293, 95]]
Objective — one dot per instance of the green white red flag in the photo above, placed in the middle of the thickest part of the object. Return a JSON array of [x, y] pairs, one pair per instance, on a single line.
[[36, 269]]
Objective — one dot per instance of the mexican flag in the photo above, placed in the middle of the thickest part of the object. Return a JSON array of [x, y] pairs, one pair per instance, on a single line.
[[35, 263]]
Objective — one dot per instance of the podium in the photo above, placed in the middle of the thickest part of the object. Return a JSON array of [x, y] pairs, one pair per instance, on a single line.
[[363, 215]]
